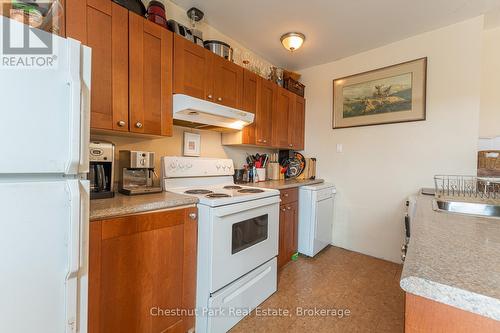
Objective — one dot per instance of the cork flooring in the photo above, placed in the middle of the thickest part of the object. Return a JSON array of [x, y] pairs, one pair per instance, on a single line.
[[335, 280]]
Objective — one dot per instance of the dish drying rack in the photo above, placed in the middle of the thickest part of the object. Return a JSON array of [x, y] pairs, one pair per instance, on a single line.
[[482, 189]]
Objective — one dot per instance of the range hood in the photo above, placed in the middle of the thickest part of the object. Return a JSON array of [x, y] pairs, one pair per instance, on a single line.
[[197, 113]]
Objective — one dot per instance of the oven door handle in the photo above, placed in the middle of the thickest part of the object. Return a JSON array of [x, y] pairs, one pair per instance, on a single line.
[[225, 211]]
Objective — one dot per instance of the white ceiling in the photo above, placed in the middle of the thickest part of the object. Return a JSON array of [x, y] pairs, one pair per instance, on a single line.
[[334, 29]]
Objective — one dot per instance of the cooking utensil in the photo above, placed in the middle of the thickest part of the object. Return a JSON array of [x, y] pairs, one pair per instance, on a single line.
[[156, 13], [135, 6], [220, 48]]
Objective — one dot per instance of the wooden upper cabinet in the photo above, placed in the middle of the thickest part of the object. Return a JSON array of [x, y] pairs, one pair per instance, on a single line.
[[103, 25], [150, 71], [190, 68], [297, 123], [250, 86], [280, 118], [227, 82], [267, 104], [140, 263]]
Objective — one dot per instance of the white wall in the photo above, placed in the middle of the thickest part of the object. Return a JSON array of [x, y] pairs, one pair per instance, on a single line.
[[381, 165], [490, 84]]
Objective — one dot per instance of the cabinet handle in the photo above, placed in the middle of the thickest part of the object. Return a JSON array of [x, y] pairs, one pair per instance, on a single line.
[[138, 124], [121, 123], [219, 99], [193, 216], [209, 96]]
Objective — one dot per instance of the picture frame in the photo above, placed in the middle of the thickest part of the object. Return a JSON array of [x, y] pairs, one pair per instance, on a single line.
[[388, 95], [192, 142]]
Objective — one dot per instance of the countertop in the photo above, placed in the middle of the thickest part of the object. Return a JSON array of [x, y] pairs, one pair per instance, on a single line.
[[454, 259], [126, 205], [285, 184]]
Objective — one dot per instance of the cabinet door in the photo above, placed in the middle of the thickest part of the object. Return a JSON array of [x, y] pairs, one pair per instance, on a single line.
[[267, 104], [292, 223], [190, 66], [280, 118], [251, 87], [297, 124], [103, 25], [150, 77], [282, 249], [228, 83], [138, 264]]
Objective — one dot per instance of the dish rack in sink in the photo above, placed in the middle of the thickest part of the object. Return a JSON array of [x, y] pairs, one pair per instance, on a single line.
[[465, 188]]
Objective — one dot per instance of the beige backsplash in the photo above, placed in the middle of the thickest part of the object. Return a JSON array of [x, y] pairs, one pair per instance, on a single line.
[[172, 146]]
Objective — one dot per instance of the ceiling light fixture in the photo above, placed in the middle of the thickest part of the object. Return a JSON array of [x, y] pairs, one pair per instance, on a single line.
[[292, 40]]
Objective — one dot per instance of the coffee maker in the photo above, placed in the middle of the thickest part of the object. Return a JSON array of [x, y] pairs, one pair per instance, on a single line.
[[137, 173], [101, 156]]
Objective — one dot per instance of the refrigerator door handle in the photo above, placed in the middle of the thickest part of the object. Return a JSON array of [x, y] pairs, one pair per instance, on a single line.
[[74, 255], [86, 74], [74, 83]]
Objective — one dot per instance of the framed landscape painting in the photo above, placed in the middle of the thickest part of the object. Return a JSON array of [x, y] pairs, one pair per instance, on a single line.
[[393, 94]]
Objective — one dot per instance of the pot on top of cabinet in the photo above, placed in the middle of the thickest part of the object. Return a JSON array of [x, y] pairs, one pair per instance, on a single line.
[[220, 48]]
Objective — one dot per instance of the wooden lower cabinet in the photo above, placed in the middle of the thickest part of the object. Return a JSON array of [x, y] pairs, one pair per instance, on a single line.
[[425, 315], [288, 226], [140, 265]]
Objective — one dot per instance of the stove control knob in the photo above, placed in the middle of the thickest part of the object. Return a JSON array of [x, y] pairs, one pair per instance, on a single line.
[[181, 166], [189, 166], [218, 166], [172, 165]]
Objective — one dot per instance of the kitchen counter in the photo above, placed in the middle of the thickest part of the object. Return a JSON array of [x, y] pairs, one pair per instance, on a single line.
[[125, 205], [454, 259], [285, 184]]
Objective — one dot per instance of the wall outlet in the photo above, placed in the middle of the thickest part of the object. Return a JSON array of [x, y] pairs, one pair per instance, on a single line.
[[340, 147]]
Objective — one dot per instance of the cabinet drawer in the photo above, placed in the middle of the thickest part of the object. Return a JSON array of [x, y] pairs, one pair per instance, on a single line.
[[289, 195]]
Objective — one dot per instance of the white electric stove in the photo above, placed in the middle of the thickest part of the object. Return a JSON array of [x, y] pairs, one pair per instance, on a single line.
[[237, 239]]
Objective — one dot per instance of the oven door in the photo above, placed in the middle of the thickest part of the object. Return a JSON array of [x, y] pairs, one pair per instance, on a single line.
[[244, 236]]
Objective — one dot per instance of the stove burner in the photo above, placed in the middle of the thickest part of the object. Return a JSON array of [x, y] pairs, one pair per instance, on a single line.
[[232, 187], [218, 195], [250, 190], [198, 192]]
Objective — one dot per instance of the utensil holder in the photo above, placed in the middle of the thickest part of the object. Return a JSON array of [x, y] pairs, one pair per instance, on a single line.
[[273, 171]]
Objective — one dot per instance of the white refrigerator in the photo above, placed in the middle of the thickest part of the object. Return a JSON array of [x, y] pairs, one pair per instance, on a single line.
[[44, 194]]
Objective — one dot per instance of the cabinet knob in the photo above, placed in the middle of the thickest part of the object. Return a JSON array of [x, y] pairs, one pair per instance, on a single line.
[[193, 216], [121, 123], [285, 195], [283, 209], [288, 207], [219, 99], [209, 96], [291, 145], [138, 124], [265, 141]]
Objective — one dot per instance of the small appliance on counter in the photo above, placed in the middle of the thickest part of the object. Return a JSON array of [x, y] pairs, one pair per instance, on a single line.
[[101, 157], [220, 48], [137, 173]]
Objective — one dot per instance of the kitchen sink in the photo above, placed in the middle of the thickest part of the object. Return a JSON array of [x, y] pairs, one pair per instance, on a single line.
[[467, 208]]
